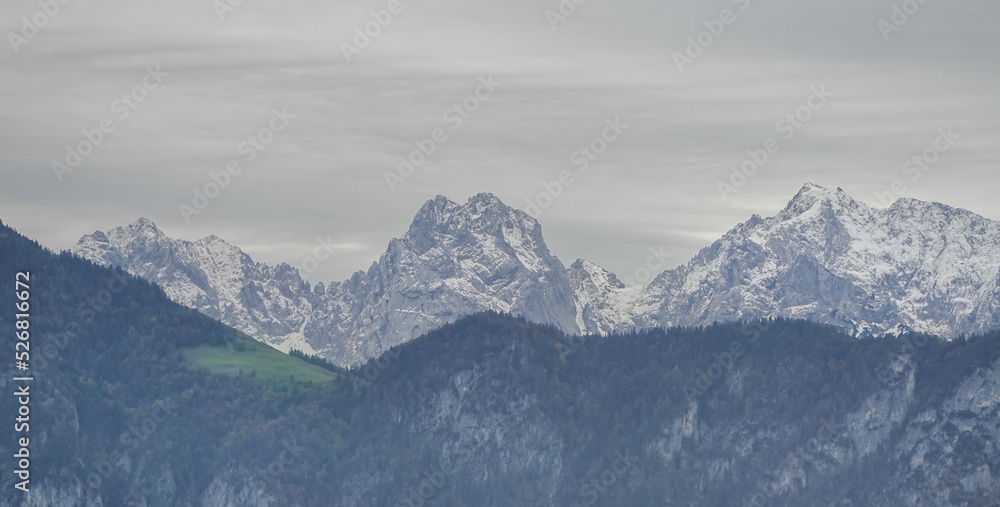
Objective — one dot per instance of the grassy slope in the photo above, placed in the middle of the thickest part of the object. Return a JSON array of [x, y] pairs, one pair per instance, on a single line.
[[251, 356]]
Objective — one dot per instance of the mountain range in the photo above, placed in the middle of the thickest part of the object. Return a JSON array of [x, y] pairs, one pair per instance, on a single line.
[[916, 266], [138, 400]]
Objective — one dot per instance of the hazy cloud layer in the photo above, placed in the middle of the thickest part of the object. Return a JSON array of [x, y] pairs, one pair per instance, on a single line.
[[220, 82]]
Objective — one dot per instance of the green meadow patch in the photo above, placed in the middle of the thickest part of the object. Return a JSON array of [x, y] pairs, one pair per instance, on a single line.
[[254, 360]]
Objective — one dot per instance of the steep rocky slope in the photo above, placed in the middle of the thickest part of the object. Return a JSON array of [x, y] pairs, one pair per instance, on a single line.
[[915, 266], [453, 261]]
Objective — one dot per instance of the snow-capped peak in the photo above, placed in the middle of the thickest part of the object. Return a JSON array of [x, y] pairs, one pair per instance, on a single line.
[[483, 231], [454, 260], [485, 200], [829, 258], [825, 257], [812, 196], [143, 226]]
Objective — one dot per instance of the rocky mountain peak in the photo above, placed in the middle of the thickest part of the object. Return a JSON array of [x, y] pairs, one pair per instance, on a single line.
[[812, 198], [441, 211], [143, 223], [105, 247], [484, 231], [829, 258], [143, 227], [485, 200], [435, 211], [584, 270], [825, 257], [910, 207], [455, 259]]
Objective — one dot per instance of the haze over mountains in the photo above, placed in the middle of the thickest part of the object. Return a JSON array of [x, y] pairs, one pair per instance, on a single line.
[[826, 257]]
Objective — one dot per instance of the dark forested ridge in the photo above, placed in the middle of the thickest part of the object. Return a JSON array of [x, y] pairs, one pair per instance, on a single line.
[[489, 411]]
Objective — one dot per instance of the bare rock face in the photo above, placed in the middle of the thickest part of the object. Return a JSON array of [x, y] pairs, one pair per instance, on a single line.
[[603, 302], [828, 258], [454, 260], [916, 266], [209, 275]]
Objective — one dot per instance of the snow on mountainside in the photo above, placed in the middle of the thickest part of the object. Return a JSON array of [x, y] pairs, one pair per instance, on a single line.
[[454, 260], [915, 266], [211, 276], [603, 302], [826, 257]]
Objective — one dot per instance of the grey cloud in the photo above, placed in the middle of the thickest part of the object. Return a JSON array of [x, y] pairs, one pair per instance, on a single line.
[[324, 175]]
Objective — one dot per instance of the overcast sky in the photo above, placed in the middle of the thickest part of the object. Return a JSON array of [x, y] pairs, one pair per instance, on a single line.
[[220, 81]]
